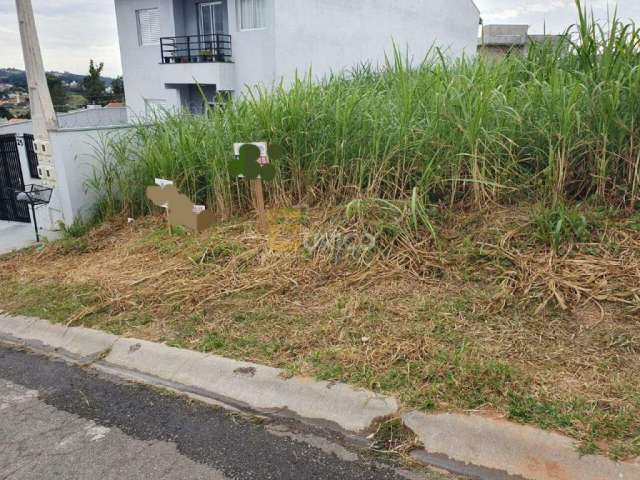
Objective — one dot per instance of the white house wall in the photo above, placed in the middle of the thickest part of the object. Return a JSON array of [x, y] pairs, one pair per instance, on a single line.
[[254, 50], [142, 65], [333, 35], [19, 128]]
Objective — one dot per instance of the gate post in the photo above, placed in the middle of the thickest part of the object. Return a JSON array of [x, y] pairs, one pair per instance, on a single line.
[[24, 159], [24, 166]]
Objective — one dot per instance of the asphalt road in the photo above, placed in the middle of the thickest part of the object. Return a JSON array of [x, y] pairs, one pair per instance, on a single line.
[[63, 422]]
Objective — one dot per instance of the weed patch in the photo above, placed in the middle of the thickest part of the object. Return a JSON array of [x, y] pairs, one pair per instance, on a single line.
[[560, 226]]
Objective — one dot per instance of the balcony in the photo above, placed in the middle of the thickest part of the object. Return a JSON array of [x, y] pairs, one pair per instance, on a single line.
[[215, 48], [204, 59]]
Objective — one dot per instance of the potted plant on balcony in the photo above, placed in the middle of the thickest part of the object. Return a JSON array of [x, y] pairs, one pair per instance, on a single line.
[[206, 56]]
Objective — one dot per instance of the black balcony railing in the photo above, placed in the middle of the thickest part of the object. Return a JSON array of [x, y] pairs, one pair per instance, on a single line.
[[196, 48]]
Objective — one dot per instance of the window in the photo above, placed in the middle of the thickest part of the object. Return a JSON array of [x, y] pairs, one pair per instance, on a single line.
[[154, 106], [148, 26], [252, 15], [211, 18]]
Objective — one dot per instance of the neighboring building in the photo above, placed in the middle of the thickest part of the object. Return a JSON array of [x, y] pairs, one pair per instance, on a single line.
[[115, 105], [499, 41], [174, 51], [17, 98]]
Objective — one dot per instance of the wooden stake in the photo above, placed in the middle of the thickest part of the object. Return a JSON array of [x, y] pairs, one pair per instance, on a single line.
[[258, 202]]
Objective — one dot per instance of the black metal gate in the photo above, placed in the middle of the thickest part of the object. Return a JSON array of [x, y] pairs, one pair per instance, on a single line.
[[32, 156], [10, 179]]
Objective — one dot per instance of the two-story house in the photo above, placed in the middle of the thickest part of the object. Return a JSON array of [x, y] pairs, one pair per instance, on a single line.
[[173, 51]]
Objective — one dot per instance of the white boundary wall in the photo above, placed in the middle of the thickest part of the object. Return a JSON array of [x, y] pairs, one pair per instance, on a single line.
[[88, 117], [76, 155], [75, 146]]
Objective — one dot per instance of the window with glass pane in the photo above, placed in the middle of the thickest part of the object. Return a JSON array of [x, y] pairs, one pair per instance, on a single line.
[[211, 18], [206, 19], [252, 14], [148, 26]]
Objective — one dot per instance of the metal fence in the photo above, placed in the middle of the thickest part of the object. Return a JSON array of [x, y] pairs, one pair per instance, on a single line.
[[10, 180], [196, 48]]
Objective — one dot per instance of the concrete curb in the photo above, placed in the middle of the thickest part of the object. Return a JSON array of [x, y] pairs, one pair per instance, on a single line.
[[14, 326], [255, 387], [517, 450], [76, 343]]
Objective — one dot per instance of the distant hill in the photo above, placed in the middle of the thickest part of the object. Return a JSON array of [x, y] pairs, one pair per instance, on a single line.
[[18, 77]]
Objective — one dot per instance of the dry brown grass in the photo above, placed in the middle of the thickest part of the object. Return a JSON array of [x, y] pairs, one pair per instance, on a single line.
[[488, 320]]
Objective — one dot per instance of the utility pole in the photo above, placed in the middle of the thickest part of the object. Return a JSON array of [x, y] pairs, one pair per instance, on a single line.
[[43, 116]]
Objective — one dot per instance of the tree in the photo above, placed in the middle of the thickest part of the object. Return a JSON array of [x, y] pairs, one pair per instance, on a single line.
[[17, 78], [92, 85], [5, 113], [117, 89], [58, 93]]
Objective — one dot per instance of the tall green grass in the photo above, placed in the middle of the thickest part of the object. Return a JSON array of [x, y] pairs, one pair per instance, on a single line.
[[561, 123]]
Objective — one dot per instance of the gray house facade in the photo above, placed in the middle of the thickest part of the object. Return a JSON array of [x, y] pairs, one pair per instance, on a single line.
[[177, 53]]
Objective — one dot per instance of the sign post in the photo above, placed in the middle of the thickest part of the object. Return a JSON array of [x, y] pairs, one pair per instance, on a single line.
[[252, 162], [258, 202]]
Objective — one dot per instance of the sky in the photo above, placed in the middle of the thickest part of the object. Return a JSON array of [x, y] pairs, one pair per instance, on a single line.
[[73, 31]]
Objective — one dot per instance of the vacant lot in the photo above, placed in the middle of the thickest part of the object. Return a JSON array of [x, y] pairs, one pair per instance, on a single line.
[[472, 241], [521, 312]]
